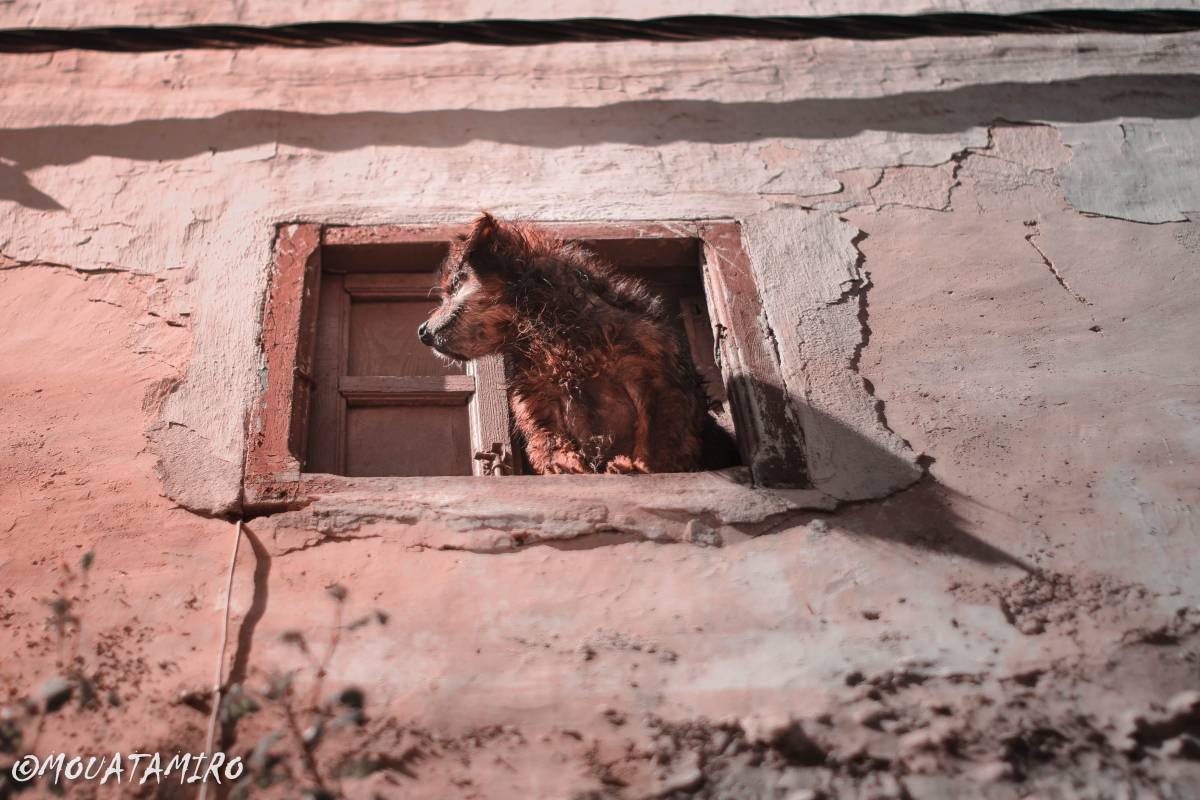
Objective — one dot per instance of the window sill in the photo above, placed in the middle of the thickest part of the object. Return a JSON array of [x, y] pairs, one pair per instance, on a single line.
[[570, 511]]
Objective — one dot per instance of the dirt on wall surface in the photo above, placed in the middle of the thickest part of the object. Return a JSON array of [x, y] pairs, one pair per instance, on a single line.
[[1020, 622]]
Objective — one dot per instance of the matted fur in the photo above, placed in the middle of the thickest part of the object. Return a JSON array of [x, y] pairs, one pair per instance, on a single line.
[[600, 380]]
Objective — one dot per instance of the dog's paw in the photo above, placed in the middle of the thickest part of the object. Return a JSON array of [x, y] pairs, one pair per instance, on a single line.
[[619, 465], [624, 465], [567, 462]]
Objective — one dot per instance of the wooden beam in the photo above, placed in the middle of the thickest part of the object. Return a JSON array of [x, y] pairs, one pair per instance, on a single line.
[[411, 390]]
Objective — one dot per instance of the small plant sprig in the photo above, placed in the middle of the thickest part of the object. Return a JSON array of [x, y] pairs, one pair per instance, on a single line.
[[345, 708], [68, 628], [66, 625], [58, 689]]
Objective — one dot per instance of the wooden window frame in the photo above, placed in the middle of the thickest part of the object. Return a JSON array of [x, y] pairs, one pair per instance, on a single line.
[[769, 437]]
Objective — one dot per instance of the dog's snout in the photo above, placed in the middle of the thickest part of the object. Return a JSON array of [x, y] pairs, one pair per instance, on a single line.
[[423, 333]]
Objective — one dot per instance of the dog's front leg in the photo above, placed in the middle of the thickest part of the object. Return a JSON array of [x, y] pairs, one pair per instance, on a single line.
[[550, 452], [640, 458]]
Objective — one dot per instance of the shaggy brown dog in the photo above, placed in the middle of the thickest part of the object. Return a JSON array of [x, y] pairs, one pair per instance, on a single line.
[[600, 381]]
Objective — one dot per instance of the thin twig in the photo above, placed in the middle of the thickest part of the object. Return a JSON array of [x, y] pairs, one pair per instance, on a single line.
[[310, 763], [83, 588], [323, 668]]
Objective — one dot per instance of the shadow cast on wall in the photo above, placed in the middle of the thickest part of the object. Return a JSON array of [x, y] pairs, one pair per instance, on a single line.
[[910, 508], [641, 123], [920, 517]]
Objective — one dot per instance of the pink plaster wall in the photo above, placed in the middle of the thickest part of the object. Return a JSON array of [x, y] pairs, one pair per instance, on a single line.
[[942, 283]]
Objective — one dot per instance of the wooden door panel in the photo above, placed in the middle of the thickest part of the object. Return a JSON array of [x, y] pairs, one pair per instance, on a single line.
[[407, 440]]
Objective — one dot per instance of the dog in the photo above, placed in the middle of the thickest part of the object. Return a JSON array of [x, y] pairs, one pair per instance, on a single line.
[[599, 380]]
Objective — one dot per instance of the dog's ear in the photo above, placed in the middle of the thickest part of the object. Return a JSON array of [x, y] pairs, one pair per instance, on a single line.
[[494, 246]]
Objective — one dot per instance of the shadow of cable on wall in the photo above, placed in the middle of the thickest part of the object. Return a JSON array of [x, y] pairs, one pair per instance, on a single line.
[[641, 123]]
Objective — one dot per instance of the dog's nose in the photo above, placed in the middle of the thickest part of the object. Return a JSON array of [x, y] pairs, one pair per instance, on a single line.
[[423, 333]]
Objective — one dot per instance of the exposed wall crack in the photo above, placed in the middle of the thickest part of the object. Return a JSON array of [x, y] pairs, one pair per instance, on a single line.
[[588, 541], [957, 161], [769, 334], [607, 535], [7, 262], [864, 314], [326, 538], [854, 287], [1058, 276]]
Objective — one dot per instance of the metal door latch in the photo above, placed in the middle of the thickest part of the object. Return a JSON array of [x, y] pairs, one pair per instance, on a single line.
[[497, 461]]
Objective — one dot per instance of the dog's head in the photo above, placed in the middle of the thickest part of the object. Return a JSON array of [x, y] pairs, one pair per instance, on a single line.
[[476, 313]]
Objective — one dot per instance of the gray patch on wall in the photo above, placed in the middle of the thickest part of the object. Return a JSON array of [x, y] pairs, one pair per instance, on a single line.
[[1139, 170]]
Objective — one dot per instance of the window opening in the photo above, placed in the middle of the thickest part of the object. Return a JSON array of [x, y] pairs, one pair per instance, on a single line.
[[367, 399]]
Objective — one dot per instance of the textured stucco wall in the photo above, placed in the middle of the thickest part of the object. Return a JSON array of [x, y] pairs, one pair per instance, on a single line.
[[982, 252], [711, 130]]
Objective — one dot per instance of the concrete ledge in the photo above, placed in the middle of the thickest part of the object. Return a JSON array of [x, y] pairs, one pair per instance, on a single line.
[[503, 514]]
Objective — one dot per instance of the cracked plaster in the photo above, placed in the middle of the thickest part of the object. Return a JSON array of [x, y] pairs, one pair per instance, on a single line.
[[708, 131], [1061, 436]]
